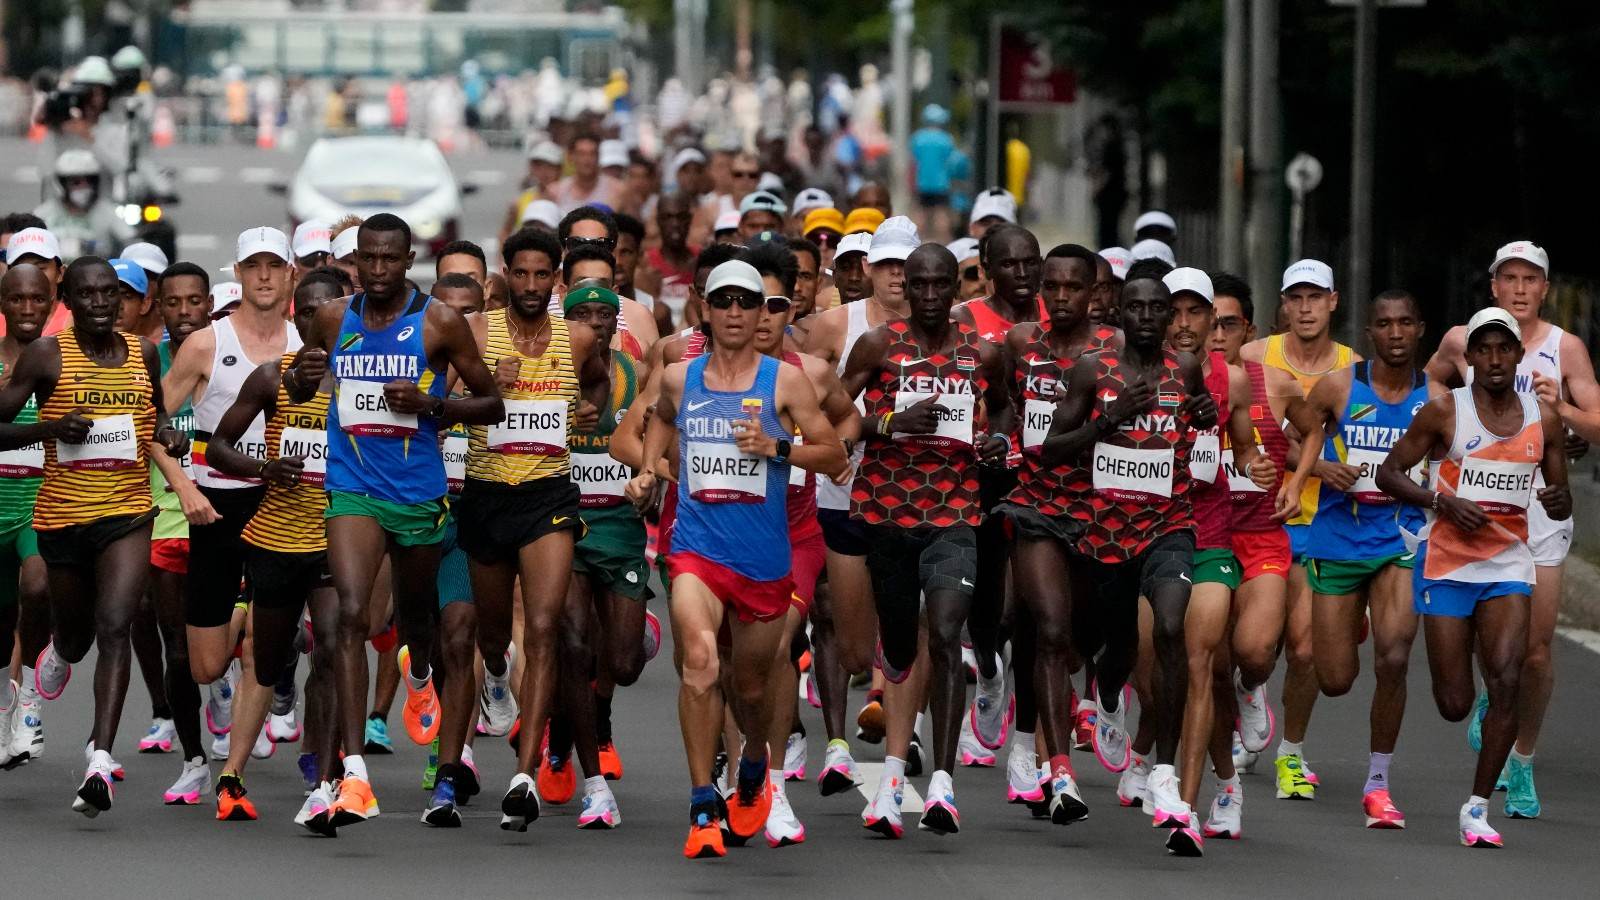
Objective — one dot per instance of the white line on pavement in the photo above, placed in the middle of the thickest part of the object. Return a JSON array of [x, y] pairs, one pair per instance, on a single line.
[[202, 174], [257, 174], [871, 773], [486, 177], [1589, 640]]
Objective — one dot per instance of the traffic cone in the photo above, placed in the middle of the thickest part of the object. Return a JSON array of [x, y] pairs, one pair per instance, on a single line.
[[162, 127]]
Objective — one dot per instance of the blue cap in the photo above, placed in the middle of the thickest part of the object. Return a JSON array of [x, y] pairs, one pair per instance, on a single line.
[[131, 274], [934, 114]]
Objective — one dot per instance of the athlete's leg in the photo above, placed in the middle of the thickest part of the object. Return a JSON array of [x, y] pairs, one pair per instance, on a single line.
[[621, 621], [416, 600], [1300, 678], [1144, 676], [1538, 675], [984, 622], [576, 661], [322, 699], [33, 610], [380, 616], [545, 569], [833, 685], [1205, 632], [1169, 601], [697, 615], [783, 681], [947, 684], [355, 551], [902, 702], [1394, 630], [1258, 627], [458, 625], [251, 701], [1336, 629], [1039, 567], [1501, 626], [121, 571], [854, 616], [755, 647], [183, 695], [145, 636]]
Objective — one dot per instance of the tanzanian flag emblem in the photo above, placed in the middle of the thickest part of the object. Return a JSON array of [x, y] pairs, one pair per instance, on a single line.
[[349, 342], [1359, 411]]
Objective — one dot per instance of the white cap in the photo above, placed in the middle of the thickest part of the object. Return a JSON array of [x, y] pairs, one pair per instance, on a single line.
[[811, 198], [1527, 251], [963, 249], [613, 153], [1314, 272], [1492, 315], [770, 181], [76, 162], [686, 156], [728, 221], [32, 242], [224, 293], [147, 256], [545, 212], [735, 273], [1119, 259], [1150, 248], [546, 152], [894, 239], [859, 242], [129, 57], [1188, 278], [762, 200], [344, 243], [263, 240], [312, 237], [94, 70], [995, 202], [1156, 218]]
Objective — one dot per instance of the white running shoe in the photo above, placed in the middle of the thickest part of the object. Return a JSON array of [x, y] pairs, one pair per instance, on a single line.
[[1256, 722], [94, 795], [1133, 788], [7, 712], [221, 746], [1167, 809], [1022, 774], [1112, 744], [1066, 804], [969, 752], [284, 729], [193, 783], [1244, 761], [600, 812], [839, 772], [939, 813], [316, 814], [993, 707], [264, 747], [1475, 828], [51, 673], [794, 758], [883, 813], [497, 702], [219, 703], [1227, 811], [159, 737], [26, 737], [783, 826]]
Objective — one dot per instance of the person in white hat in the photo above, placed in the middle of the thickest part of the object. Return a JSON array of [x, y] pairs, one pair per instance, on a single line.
[[1475, 570], [544, 170], [968, 263], [760, 211], [1557, 365], [312, 244], [804, 202], [726, 228], [542, 212], [39, 248], [342, 248], [1150, 248], [614, 158], [991, 207], [1110, 272], [81, 214], [1155, 225]]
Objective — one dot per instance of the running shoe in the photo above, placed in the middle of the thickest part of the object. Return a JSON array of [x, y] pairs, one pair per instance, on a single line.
[[219, 700], [808, 690], [264, 747], [1022, 775], [783, 826], [1133, 788], [468, 783], [94, 795], [283, 704], [969, 752], [283, 729], [430, 772], [376, 740], [194, 782], [939, 813], [794, 757], [50, 673], [497, 703], [1166, 806], [441, 811], [839, 772], [1480, 708], [914, 754], [993, 708], [610, 761], [890, 673], [159, 737], [26, 737], [705, 835], [1381, 811], [1522, 801], [117, 772], [316, 814], [1040, 809], [1243, 760], [221, 746], [719, 773], [232, 804], [652, 635], [1256, 723], [355, 803], [1083, 728], [869, 722], [749, 807], [6, 716], [1475, 828], [308, 771], [600, 812], [1185, 841], [1112, 743], [421, 711], [883, 813], [1227, 812], [1292, 781], [1502, 782], [1066, 804], [557, 781], [969, 659], [520, 805]]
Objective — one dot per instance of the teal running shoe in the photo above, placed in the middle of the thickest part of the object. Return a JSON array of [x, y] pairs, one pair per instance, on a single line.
[[1522, 801], [1475, 722], [377, 737]]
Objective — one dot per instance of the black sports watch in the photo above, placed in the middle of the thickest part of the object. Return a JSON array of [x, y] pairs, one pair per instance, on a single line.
[[782, 456]]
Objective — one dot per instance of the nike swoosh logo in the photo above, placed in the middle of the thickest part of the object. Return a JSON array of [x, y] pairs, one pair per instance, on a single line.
[[702, 403], [558, 520], [966, 583], [1184, 577]]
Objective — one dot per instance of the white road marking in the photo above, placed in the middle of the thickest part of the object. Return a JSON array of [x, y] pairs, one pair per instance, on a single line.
[[25, 174], [258, 175], [197, 243], [1589, 640], [201, 174], [871, 773], [486, 177]]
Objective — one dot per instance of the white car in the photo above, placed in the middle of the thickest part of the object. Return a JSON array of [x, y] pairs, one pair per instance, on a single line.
[[373, 174]]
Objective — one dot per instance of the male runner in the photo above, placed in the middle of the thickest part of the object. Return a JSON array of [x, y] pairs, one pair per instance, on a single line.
[[594, 226], [464, 257], [94, 509], [1474, 575], [731, 411], [1307, 352], [1520, 283], [667, 271], [933, 386], [389, 348]]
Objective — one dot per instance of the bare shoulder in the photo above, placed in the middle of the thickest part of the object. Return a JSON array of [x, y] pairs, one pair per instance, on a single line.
[[1255, 351]]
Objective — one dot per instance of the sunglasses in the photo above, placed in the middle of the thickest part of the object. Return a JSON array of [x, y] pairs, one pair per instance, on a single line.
[[574, 243], [746, 301], [749, 174], [970, 273]]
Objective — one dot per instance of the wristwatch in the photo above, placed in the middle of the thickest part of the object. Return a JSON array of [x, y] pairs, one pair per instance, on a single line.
[[782, 456]]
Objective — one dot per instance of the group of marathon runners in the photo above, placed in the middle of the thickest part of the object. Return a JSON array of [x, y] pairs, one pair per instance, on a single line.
[[1075, 478]]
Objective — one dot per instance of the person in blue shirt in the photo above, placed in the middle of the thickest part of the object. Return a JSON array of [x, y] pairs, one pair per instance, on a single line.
[[933, 158]]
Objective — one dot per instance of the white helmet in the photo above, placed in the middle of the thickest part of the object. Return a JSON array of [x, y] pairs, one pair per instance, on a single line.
[[76, 163], [94, 70], [129, 57]]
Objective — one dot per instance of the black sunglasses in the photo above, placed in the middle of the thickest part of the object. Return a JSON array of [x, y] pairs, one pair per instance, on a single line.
[[745, 299], [738, 174], [778, 304], [573, 243]]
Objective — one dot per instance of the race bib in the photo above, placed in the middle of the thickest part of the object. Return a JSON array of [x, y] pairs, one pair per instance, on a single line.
[[364, 412], [955, 421], [1125, 473], [1037, 417], [531, 428], [1239, 483], [311, 444], [24, 462], [455, 461], [111, 444], [1365, 490], [601, 480], [719, 473], [1205, 457], [1499, 486]]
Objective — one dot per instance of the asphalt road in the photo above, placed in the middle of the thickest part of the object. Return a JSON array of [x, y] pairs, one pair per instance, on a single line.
[[144, 849]]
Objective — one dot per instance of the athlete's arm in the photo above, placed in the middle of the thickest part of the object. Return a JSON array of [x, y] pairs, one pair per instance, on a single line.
[[861, 369], [1200, 405], [1242, 433], [821, 451], [484, 406], [1073, 431], [300, 380], [822, 339], [171, 442], [1313, 415], [1446, 364], [191, 367], [658, 433], [1426, 433], [1556, 495], [662, 313], [997, 400], [836, 405], [641, 324], [37, 370], [594, 376], [258, 396]]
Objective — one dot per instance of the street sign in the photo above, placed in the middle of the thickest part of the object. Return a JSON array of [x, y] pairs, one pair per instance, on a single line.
[[1029, 73], [1303, 174]]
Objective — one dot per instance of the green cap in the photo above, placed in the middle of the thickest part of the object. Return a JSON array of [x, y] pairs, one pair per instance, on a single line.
[[593, 294]]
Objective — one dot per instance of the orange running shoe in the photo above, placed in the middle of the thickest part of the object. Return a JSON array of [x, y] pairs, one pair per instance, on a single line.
[[748, 808], [355, 803], [232, 804], [870, 722], [422, 706], [705, 839], [610, 761], [557, 781]]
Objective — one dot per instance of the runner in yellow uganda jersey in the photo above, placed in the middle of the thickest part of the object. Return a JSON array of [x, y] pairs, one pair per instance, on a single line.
[[286, 562], [94, 509], [519, 509]]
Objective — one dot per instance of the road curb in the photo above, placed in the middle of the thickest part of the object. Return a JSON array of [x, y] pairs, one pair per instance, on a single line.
[[1580, 594]]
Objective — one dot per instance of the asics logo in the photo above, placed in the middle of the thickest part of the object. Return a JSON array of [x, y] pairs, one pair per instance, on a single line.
[[405, 332]]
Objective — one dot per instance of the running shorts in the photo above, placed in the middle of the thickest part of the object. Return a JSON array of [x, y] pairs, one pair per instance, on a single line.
[[284, 581], [1216, 566], [808, 556], [1262, 552], [170, 555], [409, 524], [612, 551], [1457, 599], [750, 600], [844, 535], [1027, 522], [906, 562], [80, 546], [216, 557], [16, 545], [1332, 577], [1548, 539], [1167, 558], [455, 583], [497, 522]]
